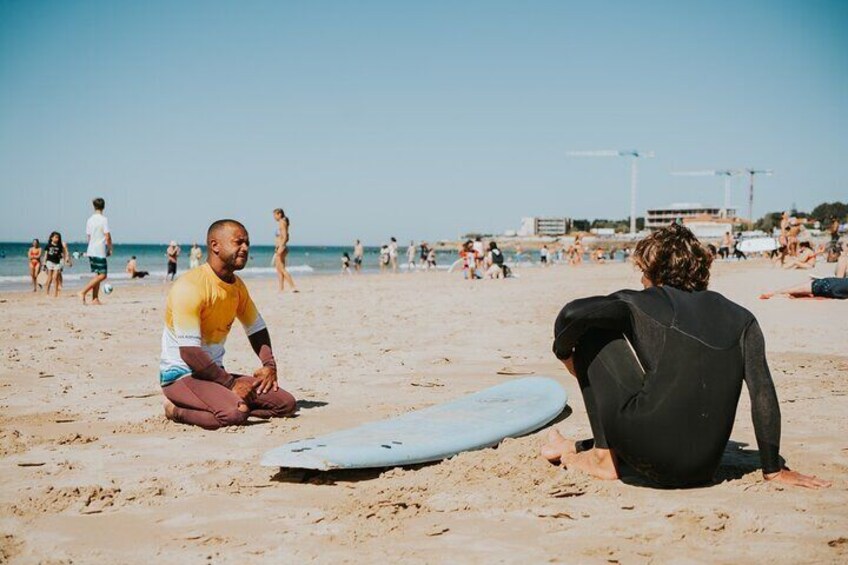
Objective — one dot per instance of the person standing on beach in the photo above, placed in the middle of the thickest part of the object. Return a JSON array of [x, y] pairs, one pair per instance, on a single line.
[[195, 256], [34, 255], [385, 258], [281, 252], [99, 248], [201, 308], [479, 252], [393, 254], [358, 255], [410, 256], [346, 264], [172, 253], [56, 255]]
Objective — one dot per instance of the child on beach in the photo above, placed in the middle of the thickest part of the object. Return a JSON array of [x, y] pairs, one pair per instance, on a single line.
[[34, 255], [384, 258], [346, 264], [99, 248], [55, 257]]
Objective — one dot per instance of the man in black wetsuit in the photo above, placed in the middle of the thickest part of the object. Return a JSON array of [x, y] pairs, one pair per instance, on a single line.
[[661, 372]]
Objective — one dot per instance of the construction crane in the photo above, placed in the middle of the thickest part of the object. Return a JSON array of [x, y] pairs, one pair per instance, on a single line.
[[634, 155], [726, 173], [752, 173]]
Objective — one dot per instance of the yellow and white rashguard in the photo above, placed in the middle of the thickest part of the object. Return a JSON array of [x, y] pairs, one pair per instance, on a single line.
[[200, 312]]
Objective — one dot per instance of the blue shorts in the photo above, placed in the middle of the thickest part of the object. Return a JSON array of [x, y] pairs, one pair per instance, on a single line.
[[831, 287], [170, 375], [98, 265]]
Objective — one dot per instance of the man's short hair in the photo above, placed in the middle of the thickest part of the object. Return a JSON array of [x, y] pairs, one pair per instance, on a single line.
[[99, 204], [216, 226], [673, 256]]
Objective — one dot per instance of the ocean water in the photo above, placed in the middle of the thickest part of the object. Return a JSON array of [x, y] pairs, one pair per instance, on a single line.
[[302, 261]]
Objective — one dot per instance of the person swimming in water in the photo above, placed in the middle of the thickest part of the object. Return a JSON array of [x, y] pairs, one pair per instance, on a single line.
[[661, 371]]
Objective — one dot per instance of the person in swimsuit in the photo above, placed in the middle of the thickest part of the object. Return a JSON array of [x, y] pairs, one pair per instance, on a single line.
[[281, 252], [825, 287], [661, 371], [195, 256], [132, 269], [202, 306], [55, 256], [34, 255], [358, 254], [173, 254], [346, 264]]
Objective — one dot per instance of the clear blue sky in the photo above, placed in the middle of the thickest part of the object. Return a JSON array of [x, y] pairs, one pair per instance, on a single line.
[[419, 120]]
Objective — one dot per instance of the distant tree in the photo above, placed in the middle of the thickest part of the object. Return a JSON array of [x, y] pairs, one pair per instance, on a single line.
[[580, 225], [826, 212], [768, 222]]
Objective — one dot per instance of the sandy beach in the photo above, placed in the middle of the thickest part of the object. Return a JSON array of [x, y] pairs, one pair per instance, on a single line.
[[92, 472]]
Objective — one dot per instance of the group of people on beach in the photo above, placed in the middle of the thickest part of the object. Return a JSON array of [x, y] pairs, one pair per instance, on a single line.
[[652, 412], [51, 260]]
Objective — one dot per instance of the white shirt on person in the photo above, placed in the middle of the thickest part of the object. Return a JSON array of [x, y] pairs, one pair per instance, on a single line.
[[96, 229]]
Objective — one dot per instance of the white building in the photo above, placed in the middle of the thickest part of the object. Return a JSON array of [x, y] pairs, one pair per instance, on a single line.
[[547, 226], [704, 221]]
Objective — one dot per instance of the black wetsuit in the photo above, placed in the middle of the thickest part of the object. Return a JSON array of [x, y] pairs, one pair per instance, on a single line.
[[671, 421]]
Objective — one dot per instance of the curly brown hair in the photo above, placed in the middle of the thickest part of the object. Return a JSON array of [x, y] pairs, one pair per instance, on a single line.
[[673, 256]]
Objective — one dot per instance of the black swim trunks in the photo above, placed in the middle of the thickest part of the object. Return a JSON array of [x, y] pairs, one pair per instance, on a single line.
[[831, 287]]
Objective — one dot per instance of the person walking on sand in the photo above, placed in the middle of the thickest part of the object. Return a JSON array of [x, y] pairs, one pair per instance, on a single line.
[[202, 306], [34, 255], [393, 254], [56, 256], [410, 256], [172, 253], [281, 252], [99, 248], [648, 404], [195, 256], [358, 255]]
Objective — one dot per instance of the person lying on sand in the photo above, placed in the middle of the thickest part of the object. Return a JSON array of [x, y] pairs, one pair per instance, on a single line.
[[661, 372], [825, 287], [202, 306]]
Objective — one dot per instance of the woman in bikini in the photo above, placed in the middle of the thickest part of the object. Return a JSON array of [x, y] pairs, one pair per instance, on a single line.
[[282, 250], [34, 255]]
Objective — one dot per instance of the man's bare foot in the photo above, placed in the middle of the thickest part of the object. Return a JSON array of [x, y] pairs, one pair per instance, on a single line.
[[556, 446], [96, 302], [766, 295], [169, 407], [596, 462], [81, 295]]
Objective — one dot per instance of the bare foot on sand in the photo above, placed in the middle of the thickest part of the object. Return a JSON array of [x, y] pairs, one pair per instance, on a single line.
[[169, 410], [596, 462], [82, 296], [766, 295], [97, 302], [556, 447]]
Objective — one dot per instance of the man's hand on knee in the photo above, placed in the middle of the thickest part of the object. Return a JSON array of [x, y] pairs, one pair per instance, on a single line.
[[244, 389]]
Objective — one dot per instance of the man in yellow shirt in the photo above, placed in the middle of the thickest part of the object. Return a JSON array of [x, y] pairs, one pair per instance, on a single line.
[[202, 306]]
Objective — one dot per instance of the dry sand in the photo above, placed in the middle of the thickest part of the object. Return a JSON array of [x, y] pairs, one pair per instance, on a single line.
[[92, 472]]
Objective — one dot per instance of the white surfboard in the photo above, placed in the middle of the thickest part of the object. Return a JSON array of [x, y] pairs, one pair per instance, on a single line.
[[757, 245], [476, 421]]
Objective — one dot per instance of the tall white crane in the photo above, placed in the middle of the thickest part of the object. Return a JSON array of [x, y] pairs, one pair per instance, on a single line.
[[726, 173], [752, 173], [634, 155]]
